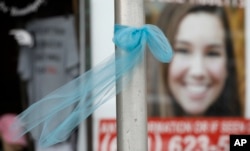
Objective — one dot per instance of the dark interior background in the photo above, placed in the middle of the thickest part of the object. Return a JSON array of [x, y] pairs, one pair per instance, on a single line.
[[12, 97]]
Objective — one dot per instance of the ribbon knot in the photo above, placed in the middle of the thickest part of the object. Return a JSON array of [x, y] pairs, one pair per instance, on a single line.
[[129, 38], [66, 107], [134, 39]]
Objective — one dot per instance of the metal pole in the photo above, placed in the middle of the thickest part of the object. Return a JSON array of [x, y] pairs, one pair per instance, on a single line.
[[131, 103], [82, 139]]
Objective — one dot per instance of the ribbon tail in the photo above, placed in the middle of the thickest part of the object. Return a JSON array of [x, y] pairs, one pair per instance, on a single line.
[[54, 117], [158, 44]]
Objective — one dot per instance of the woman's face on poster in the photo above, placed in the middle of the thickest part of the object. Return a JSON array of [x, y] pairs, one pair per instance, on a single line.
[[198, 71]]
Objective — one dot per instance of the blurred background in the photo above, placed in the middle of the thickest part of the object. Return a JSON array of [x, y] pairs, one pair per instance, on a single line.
[[47, 43]]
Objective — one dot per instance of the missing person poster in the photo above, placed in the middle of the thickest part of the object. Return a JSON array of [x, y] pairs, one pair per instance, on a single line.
[[198, 100], [206, 76], [202, 90]]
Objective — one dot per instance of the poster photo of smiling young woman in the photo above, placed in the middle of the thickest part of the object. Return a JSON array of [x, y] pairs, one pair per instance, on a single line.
[[206, 77], [198, 99]]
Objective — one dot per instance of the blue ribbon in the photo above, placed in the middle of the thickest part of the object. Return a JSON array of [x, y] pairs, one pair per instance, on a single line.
[[72, 103]]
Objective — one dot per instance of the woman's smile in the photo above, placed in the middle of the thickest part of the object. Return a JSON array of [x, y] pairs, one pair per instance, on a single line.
[[196, 92]]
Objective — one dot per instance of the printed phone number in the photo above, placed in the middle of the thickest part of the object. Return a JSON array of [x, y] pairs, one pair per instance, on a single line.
[[158, 142], [197, 143]]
